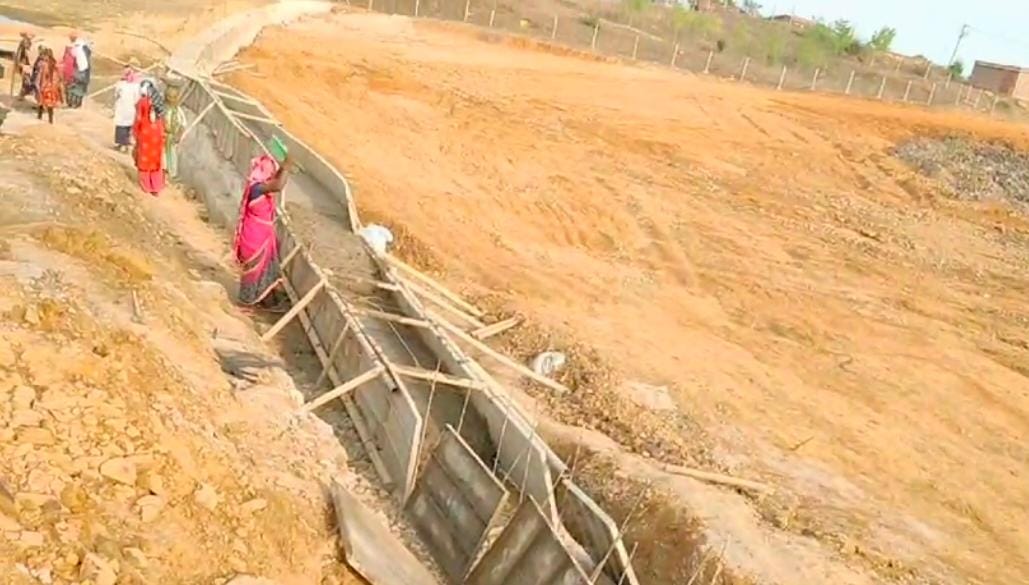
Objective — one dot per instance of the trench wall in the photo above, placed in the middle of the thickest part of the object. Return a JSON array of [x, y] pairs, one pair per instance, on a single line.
[[231, 130]]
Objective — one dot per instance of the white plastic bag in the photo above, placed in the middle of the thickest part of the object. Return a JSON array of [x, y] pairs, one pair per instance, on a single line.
[[548, 362], [378, 237]]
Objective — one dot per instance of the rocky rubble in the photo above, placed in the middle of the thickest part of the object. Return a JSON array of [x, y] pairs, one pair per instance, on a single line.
[[974, 171]]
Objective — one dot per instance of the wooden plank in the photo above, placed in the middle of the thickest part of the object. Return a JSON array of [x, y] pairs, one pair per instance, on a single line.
[[503, 359], [430, 376], [452, 296], [294, 311], [342, 389], [369, 546], [497, 328]]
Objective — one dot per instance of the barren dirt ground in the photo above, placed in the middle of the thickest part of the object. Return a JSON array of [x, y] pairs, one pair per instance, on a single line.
[[835, 325]]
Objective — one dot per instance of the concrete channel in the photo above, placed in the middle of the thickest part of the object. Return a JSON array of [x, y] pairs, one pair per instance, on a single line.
[[490, 500]]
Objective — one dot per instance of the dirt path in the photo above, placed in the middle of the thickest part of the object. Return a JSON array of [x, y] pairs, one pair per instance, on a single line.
[[832, 323], [151, 445]]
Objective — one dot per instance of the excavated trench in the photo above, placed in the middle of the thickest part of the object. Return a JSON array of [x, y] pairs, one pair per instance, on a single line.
[[490, 501]]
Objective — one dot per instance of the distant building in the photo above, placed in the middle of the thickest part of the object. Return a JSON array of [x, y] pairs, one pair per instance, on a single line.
[[794, 21], [1001, 79]]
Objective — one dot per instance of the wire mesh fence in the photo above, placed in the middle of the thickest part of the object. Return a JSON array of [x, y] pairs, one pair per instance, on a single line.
[[903, 82]]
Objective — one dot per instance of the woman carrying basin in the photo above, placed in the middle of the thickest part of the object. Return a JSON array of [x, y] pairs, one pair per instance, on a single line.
[[256, 245]]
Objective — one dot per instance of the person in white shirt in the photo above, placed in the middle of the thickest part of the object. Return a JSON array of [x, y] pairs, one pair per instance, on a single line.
[[126, 95], [82, 53]]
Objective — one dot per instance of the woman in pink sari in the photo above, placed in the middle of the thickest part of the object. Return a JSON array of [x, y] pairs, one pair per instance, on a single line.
[[256, 246]]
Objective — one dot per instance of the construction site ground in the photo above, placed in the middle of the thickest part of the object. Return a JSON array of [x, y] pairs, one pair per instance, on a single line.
[[744, 279]]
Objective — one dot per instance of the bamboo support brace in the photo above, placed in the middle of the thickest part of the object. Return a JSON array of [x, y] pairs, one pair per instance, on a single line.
[[439, 377], [717, 478], [363, 433], [507, 361], [457, 300], [445, 304], [496, 328], [391, 317], [294, 311], [343, 389]]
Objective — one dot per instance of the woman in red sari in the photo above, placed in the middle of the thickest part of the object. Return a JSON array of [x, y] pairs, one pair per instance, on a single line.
[[256, 246], [148, 130], [49, 85]]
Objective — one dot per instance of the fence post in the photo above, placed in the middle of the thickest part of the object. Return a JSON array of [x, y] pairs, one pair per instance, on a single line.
[[950, 76], [928, 70], [782, 79], [492, 17], [743, 72], [635, 47], [907, 92], [978, 97], [596, 32], [957, 100], [993, 108], [675, 54], [553, 29], [417, 7], [371, 3], [467, 10], [850, 83], [932, 94], [814, 79], [882, 89], [707, 65]]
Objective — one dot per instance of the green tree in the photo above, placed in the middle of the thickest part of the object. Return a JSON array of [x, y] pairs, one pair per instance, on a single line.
[[843, 36], [751, 7], [957, 69], [635, 8], [882, 40]]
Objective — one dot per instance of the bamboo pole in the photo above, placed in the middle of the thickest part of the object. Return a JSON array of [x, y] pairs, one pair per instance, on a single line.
[[717, 478], [814, 79], [496, 328], [707, 64], [850, 83], [503, 359], [782, 79], [196, 121], [336, 345], [743, 72], [882, 89], [907, 92], [596, 33], [492, 17], [343, 389], [467, 10], [443, 303], [450, 295], [932, 94], [417, 7], [553, 29], [437, 376], [294, 311], [391, 317]]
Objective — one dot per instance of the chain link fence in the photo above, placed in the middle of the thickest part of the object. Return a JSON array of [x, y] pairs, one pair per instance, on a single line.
[[575, 29]]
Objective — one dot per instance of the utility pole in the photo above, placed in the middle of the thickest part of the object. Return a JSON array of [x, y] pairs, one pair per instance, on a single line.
[[957, 45]]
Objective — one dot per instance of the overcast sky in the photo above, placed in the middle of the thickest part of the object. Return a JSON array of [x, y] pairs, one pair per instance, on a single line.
[[930, 27]]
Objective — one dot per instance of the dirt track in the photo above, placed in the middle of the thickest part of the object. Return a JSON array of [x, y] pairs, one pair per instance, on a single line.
[[835, 324]]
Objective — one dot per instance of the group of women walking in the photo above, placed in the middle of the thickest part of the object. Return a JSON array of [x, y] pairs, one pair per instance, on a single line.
[[52, 83], [149, 123]]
